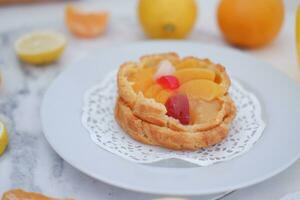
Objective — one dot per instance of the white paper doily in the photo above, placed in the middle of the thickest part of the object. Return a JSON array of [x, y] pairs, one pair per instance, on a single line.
[[98, 119]]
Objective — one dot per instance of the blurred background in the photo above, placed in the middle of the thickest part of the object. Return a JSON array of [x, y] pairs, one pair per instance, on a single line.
[[29, 161], [124, 20], [13, 14]]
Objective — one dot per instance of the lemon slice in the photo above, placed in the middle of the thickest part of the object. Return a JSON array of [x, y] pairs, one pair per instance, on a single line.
[[3, 138], [298, 34], [40, 47]]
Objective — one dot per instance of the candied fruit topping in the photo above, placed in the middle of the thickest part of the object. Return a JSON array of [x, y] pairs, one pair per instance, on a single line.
[[163, 96], [203, 89], [178, 107], [168, 82], [165, 67], [185, 75]]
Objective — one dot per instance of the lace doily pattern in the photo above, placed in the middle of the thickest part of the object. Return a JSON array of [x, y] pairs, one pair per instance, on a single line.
[[98, 119]]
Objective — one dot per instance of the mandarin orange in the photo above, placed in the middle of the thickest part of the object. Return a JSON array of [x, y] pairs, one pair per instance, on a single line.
[[252, 23]]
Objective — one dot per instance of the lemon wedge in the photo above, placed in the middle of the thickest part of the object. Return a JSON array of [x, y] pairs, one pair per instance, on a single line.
[[3, 138], [40, 47], [298, 34]]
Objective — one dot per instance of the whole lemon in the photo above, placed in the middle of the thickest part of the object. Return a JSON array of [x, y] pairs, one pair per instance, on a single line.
[[167, 18], [252, 23]]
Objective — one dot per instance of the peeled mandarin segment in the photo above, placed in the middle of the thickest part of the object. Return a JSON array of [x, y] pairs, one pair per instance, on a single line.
[[85, 24], [144, 72], [142, 84], [203, 89], [163, 96], [178, 107], [185, 75], [168, 82], [143, 78], [152, 91]]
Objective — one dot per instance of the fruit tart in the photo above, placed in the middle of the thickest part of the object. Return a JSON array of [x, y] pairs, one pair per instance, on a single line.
[[180, 104]]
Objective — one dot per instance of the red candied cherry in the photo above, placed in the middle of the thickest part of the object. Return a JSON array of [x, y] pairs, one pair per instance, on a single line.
[[178, 107], [168, 82]]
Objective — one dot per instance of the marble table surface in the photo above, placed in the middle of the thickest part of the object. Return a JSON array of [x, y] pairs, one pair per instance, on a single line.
[[30, 163]]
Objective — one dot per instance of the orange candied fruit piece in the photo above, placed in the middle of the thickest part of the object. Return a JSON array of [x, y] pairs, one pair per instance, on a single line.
[[85, 24]]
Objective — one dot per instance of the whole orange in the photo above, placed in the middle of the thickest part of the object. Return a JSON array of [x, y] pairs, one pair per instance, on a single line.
[[250, 23]]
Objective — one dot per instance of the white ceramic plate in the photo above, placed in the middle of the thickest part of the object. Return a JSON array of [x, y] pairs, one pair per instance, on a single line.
[[275, 151]]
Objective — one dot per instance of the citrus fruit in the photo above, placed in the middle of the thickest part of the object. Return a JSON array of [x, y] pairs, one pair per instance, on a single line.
[[167, 18], [40, 47], [252, 23], [85, 24], [3, 138], [19, 194], [298, 33]]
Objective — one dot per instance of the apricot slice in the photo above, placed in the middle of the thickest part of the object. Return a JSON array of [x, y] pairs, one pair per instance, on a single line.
[[203, 89], [85, 24], [189, 74], [163, 96]]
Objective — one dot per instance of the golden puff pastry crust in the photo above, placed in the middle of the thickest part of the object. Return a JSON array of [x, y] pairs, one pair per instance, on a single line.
[[145, 119]]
